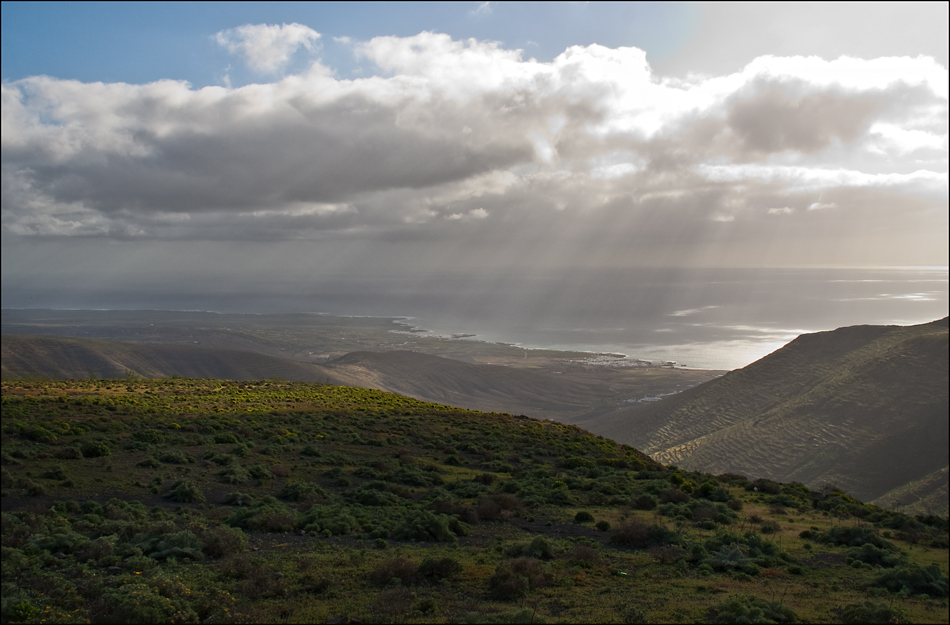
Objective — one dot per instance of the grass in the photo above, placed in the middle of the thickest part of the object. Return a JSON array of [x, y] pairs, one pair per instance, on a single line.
[[324, 496]]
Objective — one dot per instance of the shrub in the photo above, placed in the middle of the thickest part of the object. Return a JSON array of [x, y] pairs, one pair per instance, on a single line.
[[513, 579], [763, 485], [438, 568], [56, 472], [149, 463], [869, 554], [96, 449], [223, 541], [747, 609], [852, 536], [583, 517], [916, 579], [175, 456], [22, 611], [149, 437], [731, 558], [225, 438], [645, 501], [139, 603], [539, 548], [301, 491], [259, 472], [179, 545], [233, 474], [268, 515], [423, 525], [185, 491], [674, 495], [633, 533], [393, 569], [871, 612], [637, 534], [584, 556], [239, 499], [603, 526]]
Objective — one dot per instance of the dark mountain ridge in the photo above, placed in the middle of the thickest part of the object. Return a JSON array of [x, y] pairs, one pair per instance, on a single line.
[[864, 407]]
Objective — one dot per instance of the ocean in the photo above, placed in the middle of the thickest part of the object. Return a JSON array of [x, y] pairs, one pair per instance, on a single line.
[[710, 319]]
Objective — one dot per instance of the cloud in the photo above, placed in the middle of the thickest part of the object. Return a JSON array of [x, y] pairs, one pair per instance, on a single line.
[[691, 311], [267, 48], [483, 8], [590, 156]]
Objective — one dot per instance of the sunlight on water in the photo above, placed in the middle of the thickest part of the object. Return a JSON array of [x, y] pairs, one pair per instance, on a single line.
[[711, 318]]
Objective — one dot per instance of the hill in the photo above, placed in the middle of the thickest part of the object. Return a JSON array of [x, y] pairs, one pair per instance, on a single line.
[[573, 390], [446, 381], [70, 358], [189, 501], [863, 407]]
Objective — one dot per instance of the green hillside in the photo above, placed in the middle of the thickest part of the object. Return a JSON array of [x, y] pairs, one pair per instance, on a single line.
[[186, 501], [71, 358], [562, 390], [862, 407]]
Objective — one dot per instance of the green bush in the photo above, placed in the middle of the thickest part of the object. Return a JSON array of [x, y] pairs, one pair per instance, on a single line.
[[394, 570], [871, 612], [20, 612], [223, 541], [56, 472], [233, 474], [539, 548], [149, 437], [139, 603], [259, 472], [180, 545], [422, 525], [869, 554], [239, 499], [96, 449], [185, 491], [301, 491], [514, 579], [583, 517], [175, 456], [914, 579], [748, 609], [435, 569], [268, 515], [645, 501]]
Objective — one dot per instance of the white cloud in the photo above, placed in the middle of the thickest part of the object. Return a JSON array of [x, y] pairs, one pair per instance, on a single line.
[[483, 8], [691, 311], [476, 213], [800, 178], [267, 48], [590, 152]]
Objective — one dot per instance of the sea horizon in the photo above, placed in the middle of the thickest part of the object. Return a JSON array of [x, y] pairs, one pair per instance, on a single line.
[[704, 319]]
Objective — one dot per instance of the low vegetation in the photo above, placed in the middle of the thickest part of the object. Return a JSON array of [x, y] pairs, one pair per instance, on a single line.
[[190, 501]]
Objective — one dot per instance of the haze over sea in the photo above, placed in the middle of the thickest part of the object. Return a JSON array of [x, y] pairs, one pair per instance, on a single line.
[[709, 318]]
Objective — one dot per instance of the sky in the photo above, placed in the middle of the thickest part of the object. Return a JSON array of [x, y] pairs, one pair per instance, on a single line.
[[200, 145]]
